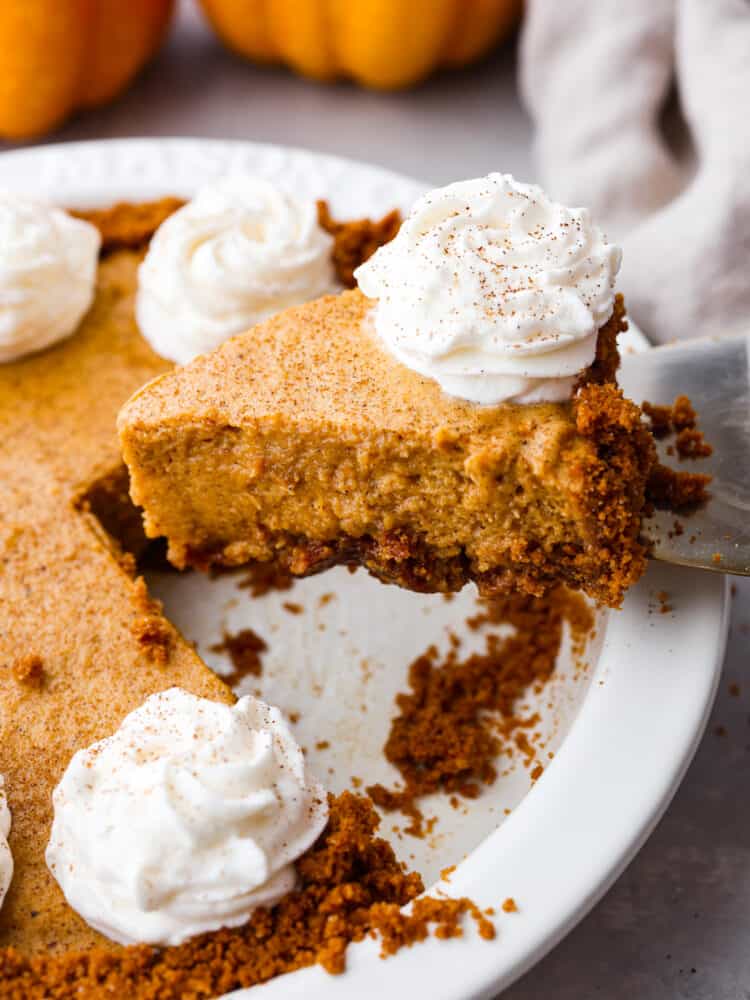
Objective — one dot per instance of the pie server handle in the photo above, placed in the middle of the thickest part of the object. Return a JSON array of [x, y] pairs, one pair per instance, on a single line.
[[715, 373]]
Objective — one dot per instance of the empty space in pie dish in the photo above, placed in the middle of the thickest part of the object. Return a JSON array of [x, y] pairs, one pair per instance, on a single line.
[[339, 646]]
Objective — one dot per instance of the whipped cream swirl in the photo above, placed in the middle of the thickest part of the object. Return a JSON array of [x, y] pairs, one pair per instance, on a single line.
[[6, 858], [48, 265], [185, 820], [239, 252], [493, 290]]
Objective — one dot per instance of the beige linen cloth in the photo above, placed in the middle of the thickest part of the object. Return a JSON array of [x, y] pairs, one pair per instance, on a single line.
[[595, 75]]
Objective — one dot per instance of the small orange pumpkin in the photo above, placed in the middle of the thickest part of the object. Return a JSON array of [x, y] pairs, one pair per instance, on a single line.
[[61, 55], [384, 44]]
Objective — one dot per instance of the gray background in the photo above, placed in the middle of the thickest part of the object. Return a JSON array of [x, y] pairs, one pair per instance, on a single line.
[[676, 924]]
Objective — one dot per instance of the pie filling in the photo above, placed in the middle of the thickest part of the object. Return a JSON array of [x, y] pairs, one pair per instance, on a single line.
[[243, 457]]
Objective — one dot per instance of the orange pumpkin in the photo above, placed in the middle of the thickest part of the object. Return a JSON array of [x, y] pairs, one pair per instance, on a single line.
[[385, 44], [57, 56]]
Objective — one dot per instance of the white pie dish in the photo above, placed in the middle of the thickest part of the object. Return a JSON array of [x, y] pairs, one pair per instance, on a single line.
[[623, 734]]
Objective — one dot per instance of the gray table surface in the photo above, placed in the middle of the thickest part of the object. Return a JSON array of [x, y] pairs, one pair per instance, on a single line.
[[676, 924]]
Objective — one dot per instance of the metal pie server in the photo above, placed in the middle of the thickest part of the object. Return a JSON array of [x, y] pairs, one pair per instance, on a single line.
[[715, 373]]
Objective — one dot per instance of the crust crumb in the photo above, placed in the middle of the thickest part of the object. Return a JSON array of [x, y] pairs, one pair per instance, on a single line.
[[690, 443], [355, 241], [129, 227], [607, 359], [350, 886], [660, 418], [151, 630], [460, 711], [154, 636], [29, 670], [672, 490], [680, 419], [262, 578], [128, 563], [244, 649], [683, 415]]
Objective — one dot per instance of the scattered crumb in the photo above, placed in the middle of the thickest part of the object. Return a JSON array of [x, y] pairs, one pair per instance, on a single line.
[[668, 489], [154, 635], [151, 630], [356, 241], [684, 416], [128, 225], [244, 649], [664, 606], [721, 731], [716, 557], [322, 745], [459, 713], [690, 443], [127, 563], [671, 490], [660, 418], [292, 607], [446, 873], [294, 717], [509, 905], [537, 772], [734, 689], [325, 599], [664, 420], [261, 578], [28, 670]]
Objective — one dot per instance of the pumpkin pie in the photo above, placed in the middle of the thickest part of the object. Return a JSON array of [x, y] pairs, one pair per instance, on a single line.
[[81, 642], [305, 443]]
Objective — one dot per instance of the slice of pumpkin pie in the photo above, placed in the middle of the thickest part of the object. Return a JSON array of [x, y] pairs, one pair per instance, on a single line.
[[455, 418]]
